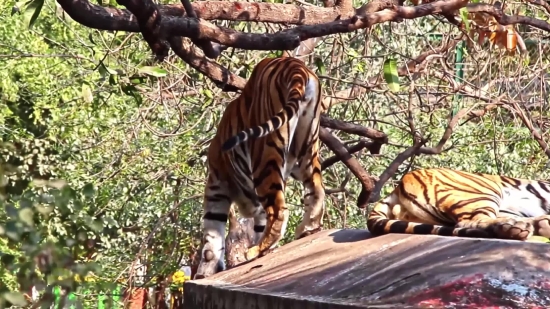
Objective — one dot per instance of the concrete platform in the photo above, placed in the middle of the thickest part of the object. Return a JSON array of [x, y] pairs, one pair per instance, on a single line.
[[351, 269]]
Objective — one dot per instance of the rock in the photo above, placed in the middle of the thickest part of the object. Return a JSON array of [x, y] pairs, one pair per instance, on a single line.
[[351, 269]]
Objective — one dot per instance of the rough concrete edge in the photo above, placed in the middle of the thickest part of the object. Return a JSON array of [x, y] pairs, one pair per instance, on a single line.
[[196, 293]]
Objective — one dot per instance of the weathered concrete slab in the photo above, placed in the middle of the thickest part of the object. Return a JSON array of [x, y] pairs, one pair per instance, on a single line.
[[350, 269]]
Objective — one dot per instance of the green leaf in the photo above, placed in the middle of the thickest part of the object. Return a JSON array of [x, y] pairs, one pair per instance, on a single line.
[[32, 11], [26, 215], [464, 17], [538, 239], [25, 203], [360, 67], [88, 190], [11, 211], [390, 74], [43, 209], [526, 60], [104, 69], [87, 93], [7, 259], [15, 298], [12, 231], [320, 65], [131, 90], [113, 80], [68, 192], [153, 71], [208, 93], [96, 225], [137, 80]]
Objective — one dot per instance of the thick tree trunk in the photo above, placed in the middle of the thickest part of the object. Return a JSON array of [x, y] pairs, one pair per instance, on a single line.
[[239, 238]]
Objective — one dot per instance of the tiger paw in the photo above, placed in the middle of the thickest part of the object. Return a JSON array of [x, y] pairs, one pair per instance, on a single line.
[[252, 253], [310, 232], [268, 251], [542, 226], [514, 229]]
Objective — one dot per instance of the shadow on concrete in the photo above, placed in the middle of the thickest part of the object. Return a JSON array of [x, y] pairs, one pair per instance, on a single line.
[[344, 236], [352, 269]]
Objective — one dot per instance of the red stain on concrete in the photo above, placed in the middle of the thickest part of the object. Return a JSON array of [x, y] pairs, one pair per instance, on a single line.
[[478, 292]]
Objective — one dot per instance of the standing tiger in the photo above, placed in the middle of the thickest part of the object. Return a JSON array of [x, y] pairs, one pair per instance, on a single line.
[[268, 133], [456, 203]]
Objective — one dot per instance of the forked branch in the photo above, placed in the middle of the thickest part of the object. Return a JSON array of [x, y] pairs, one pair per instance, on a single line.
[[389, 172], [149, 19], [211, 50], [350, 161]]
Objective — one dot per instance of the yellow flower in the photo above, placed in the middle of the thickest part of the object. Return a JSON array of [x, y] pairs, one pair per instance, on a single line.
[[90, 278], [179, 277]]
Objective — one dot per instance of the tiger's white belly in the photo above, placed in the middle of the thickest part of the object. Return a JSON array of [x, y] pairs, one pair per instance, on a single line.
[[521, 203]]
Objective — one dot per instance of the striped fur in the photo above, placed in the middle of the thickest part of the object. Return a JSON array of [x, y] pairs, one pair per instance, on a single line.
[[456, 203], [268, 133]]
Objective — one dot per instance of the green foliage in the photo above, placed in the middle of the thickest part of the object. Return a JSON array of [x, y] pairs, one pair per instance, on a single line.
[[153, 71], [320, 66], [464, 17], [32, 11], [38, 251], [390, 74], [68, 110]]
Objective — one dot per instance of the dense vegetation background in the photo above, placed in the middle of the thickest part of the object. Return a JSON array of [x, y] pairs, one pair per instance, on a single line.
[[102, 154]]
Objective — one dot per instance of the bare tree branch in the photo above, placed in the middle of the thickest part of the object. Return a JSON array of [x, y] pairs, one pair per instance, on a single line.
[[157, 29], [389, 172], [210, 50], [527, 121], [149, 19], [542, 3], [107, 18], [221, 76], [493, 103], [228, 81], [350, 161], [373, 148], [291, 38], [504, 19], [352, 128], [415, 65], [239, 238], [450, 128], [417, 148]]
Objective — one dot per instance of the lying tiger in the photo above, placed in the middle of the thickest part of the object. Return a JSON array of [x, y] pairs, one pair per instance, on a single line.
[[448, 202]]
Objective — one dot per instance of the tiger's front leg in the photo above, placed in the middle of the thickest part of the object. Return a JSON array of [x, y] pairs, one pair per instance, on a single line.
[[271, 194], [216, 210], [501, 227], [542, 226]]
